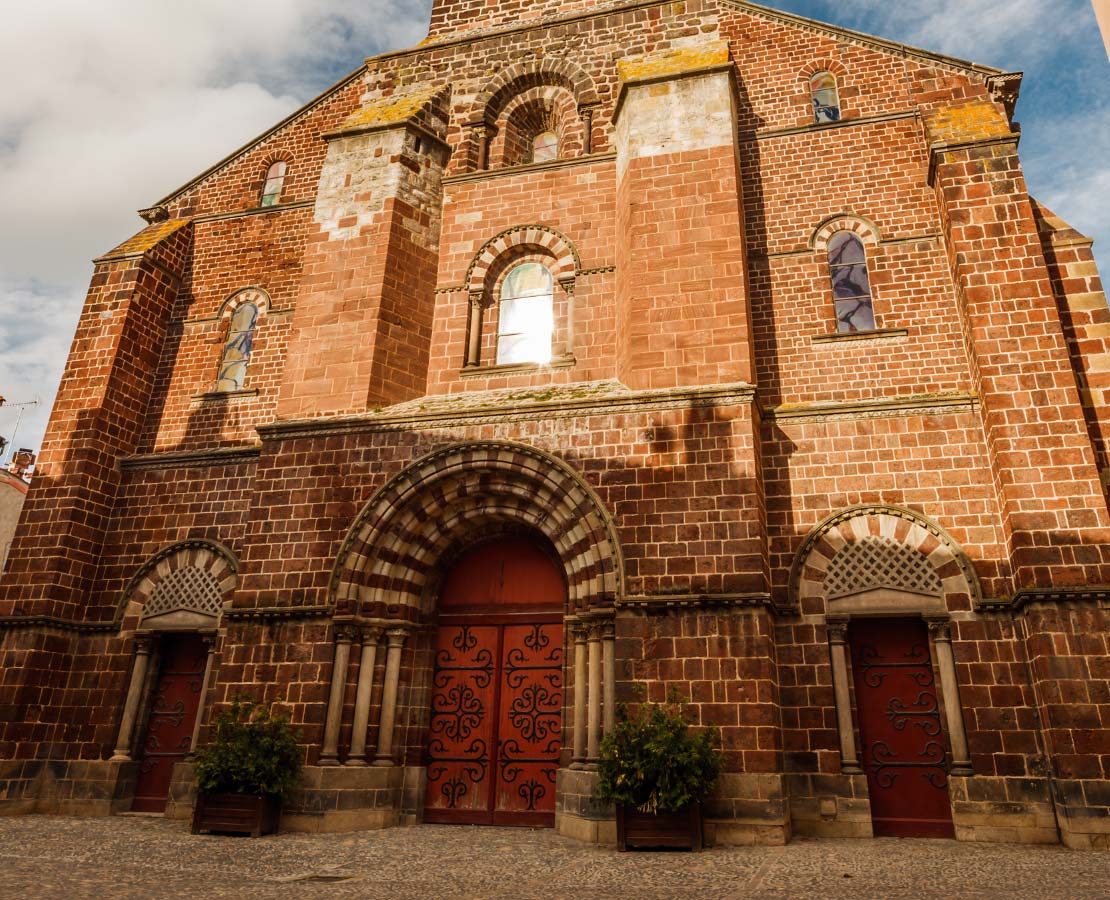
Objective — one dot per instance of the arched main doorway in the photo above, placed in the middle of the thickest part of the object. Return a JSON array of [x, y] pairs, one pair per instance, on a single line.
[[495, 730]]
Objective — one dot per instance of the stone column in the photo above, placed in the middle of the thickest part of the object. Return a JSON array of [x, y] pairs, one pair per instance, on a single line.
[[210, 644], [849, 759], [474, 336], [482, 134], [396, 639], [593, 733], [581, 691], [329, 754], [370, 638], [144, 646], [568, 286], [609, 674], [586, 114], [941, 630]]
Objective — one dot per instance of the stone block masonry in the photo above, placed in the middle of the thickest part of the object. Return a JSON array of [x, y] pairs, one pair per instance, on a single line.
[[739, 490]]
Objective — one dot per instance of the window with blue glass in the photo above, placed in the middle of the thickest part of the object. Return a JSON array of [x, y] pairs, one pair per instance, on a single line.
[[237, 348], [851, 284], [826, 97]]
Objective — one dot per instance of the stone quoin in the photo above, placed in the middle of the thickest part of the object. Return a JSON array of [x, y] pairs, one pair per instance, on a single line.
[[589, 348]]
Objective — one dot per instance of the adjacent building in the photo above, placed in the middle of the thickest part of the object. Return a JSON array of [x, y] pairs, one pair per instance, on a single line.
[[590, 347]]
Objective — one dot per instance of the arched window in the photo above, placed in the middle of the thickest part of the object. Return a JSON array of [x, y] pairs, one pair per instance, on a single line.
[[275, 180], [237, 349], [526, 320], [545, 146], [826, 99], [850, 283]]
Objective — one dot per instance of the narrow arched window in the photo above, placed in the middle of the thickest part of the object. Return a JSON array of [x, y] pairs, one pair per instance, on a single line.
[[826, 98], [545, 146], [526, 317], [237, 348], [850, 283], [275, 181]]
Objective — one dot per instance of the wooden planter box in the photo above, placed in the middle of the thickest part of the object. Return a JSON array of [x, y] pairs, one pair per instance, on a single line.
[[675, 830], [236, 814]]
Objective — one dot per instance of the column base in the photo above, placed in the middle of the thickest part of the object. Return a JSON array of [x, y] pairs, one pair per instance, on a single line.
[[357, 762]]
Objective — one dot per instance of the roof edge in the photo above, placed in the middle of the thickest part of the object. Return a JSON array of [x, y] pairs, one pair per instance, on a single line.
[[254, 142], [882, 43]]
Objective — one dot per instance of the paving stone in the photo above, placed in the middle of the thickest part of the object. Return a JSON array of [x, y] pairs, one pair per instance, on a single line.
[[125, 858]]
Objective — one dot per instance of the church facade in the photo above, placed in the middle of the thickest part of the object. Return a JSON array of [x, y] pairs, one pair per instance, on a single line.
[[584, 351]]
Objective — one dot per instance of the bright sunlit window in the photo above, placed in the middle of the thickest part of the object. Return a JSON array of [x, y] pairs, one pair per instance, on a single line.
[[527, 320]]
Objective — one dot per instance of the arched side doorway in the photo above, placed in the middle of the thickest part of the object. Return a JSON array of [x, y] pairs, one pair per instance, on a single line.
[[887, 578], [179, 597], [495, 726]]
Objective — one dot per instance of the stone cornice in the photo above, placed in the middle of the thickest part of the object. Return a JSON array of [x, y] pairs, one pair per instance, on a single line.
[[180, 459], [277, 613], [13, 623], [528, 168], [255, 211], [918, 404], [936, 150], [505, 410], [1028, 596], [661, 603], [816, 128]]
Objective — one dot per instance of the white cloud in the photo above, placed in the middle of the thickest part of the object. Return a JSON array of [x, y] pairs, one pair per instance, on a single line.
[[108, 106]]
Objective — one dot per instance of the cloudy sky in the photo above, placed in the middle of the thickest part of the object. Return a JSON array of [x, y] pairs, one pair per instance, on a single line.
[[110, 105]]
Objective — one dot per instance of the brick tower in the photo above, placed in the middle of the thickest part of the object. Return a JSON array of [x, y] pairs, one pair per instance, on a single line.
[[588, 349]]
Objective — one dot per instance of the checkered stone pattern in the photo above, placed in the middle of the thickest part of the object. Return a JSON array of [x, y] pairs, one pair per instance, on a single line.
[[876, 562], [194, 576]]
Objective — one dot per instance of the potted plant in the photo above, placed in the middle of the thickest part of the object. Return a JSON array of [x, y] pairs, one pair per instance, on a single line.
[[243, 774], [657, 771]]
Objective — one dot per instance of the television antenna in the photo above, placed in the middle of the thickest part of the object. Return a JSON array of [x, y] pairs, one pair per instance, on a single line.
[[22, 407]]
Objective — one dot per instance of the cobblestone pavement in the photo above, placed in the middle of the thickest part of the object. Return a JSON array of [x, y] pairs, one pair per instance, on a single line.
[[151, 858]]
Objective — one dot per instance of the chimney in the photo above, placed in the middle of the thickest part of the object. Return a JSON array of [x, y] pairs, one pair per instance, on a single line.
[[22, 462]]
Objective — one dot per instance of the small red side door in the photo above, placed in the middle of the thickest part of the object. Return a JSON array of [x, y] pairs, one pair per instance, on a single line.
[[904, 750], [173, 714]]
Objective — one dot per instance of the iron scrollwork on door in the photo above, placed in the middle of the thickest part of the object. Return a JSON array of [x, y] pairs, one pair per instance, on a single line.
[[876, 669], [886, 766]]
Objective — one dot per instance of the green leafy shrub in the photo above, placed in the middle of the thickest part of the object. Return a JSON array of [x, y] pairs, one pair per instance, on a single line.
[[253, 752], [654, 762]]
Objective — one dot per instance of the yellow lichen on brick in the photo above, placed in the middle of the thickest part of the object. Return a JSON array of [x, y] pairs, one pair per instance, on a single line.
[[976, 121], [673, 62], [147, 239], [390, 111]]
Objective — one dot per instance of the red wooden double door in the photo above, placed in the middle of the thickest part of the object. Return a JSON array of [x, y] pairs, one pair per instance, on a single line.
[[904, 752], [495, 729]]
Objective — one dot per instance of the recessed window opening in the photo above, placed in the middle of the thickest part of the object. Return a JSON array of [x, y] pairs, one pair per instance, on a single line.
[[275, 181], [527, 321], [545, 146], [237, 349], [851, 284], [826, 98]]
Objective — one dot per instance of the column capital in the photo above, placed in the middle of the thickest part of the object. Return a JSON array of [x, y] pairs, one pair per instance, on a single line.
[[345, 632], [144, 643], [837, 628], [940, 629], [371, 634], [396, 636], [477, 299], [210, 638]]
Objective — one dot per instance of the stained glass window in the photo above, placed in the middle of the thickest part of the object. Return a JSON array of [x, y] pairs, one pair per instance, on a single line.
[[275, 180], [850, 283], [545, 146], [527, 321], [237, 350], [826, 99]]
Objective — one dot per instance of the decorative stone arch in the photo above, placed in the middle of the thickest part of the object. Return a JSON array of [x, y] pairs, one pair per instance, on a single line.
[[866, 230], [180, 588], [183, 586], [878, 560], [389, 556], [876, 548], [252, 294], [566, 261], [539, 108], [822, 65], [519, 77]]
